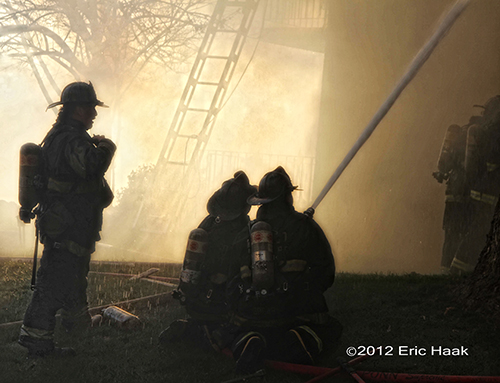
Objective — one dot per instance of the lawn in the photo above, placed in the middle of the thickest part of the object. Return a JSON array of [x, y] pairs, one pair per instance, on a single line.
[[401, 315]]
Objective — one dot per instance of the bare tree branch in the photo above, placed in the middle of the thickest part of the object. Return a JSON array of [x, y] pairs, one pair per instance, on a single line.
[[66, 53], [116, 38]]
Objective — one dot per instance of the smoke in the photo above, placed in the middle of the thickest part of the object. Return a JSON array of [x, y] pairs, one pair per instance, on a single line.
[[294, 109], [269, 119], [385, 212]]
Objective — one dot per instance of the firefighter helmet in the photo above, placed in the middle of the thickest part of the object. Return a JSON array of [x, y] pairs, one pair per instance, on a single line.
[[78, 93], [492, 109], [230, 201], [271, 186]]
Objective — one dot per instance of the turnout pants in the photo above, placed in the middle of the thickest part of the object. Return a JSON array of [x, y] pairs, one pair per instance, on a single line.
[[61, 284], [474, 239], [455, 224], [301, 342]]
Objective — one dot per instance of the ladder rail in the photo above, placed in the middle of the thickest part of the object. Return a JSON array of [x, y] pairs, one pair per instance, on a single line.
[[194, 77], [183, 169], [203, 56], [216, 103], [225, 79]]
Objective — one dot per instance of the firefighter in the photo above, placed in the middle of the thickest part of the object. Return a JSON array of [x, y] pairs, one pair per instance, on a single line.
[[482, 168], [69, 218], [451, 169], [202, 288], [276, 293]]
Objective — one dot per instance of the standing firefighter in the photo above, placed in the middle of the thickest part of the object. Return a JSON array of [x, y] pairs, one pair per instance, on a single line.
[[482, 168], [451, 168], [202, 287], [72, 195], [285, 266]]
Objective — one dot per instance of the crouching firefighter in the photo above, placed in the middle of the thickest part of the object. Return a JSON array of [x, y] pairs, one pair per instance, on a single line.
[[202, 288], [285, 264], [72, 194]]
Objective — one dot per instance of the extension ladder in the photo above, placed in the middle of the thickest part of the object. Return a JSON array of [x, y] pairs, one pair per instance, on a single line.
[[196, 113]]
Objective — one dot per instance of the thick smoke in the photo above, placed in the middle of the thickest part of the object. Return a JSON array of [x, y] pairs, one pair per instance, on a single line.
[[269, 119], [385, 212], [294, 109]]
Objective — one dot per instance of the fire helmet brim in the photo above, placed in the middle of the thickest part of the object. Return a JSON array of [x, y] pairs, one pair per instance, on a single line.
[[257, 200], [98, 103]]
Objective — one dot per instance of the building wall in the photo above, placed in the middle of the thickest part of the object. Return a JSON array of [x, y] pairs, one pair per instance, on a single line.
[[384, 214]]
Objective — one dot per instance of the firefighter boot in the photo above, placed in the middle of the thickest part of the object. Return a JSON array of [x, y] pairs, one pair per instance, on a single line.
[[76, 321], [301, 345], [248, 352], [39, 348]]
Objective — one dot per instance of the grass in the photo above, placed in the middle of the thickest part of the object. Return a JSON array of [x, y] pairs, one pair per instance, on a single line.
[[376, 310]]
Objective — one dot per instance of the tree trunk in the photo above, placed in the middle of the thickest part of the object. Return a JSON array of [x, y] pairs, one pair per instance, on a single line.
[[481, 290]]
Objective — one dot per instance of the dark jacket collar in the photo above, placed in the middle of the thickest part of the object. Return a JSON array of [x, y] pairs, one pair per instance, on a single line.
[[274, 209]]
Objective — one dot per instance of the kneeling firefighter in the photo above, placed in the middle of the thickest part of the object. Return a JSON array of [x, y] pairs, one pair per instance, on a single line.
[[72, 194], [276, 293], [202, 288]]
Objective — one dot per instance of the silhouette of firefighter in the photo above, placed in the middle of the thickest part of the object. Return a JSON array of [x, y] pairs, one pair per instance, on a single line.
[[451, 168], [72, 195], [482, 171], [202, 288], [284, 265]]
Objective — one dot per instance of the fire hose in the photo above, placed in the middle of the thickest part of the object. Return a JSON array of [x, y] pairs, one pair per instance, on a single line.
[[415, 66], [135, 276], [421, 378], [349, 369], [322, 373]]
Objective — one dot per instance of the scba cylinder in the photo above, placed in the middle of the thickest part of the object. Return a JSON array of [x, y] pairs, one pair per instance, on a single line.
[[262, 256], [121, 318], [448, 148], [195, 256], [29, 168]]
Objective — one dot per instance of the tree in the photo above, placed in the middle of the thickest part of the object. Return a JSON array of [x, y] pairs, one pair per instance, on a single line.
[[109, 40], [481, 290]]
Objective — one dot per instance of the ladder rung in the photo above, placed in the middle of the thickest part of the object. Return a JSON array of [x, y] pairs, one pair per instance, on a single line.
[[198, 110], [188, 135], [178, 163], [207, 83], [218, 57]]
